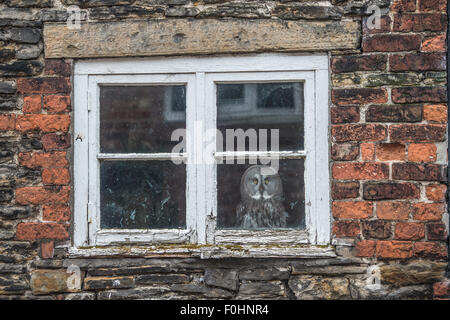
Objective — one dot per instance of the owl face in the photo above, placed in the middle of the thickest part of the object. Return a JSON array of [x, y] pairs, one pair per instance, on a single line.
[[260, 183]]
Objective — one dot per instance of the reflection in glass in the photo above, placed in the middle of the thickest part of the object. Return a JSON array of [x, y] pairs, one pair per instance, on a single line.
[[248, 198], [263, 106], [140, 119], [142, 195]]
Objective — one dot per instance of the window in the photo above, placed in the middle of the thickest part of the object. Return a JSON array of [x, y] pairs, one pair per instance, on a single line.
[[204, 150]]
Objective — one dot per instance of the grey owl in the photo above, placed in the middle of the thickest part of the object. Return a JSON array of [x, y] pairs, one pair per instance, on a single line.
[[261, 203]]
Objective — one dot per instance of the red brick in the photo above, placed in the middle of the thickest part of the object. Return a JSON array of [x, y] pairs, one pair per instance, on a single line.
[[434, 44], [358, 96], [344, 114], [47, 249], [418, 62], [404, 6], [418, 172], [390, 191], [419, 94], [436, 231], [428, 211], [56, 104], [417, 133], [393, 210], [435, 113], [32, 104], [342, 229], [345, 190], [358, 132], [57, 67], [352, 209], [43, 159], [42, 195], [365, 248], [442, 289], [360, 171], [7, 122], [344, 152], [436, 192], [56, 213], [391, 43], [385, 25], [35, 231], [409, 231], [358, 63], [54, 141], [394, 249], [413, 22], [422, 152], [432, 5], [430, 250], [44, 85], [390, 152], [367, 151], [43, 122], [55, 176]]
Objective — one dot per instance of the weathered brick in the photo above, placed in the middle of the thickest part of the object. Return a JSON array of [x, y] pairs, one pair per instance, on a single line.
[[394, 249], [442, 289], [342, 229], [352, 209], [54, 141], [434, 44], [418, 62], [358, 132], [419, 94], [360, 171], [47, 249], [367, 151], [57, 104], [344, 152], [428, 211], [7, 122], [44, 85], [404, 6], [422, 152], [390, 191], [435, 113], [409, 231], [376, 229], [413, 22], [391, 79], [55, 176], [32, 104], [436, 231], [43, 159], [358, 63], [430, 250], [418, 172], [344, 114], [388, 210], [42, 195], [370, 28], [432, 5], [391, 152], [56, 213], [35, 231], [43, 122], [345, 190], [57, 67], [391, 43], [417, 133], [395, 113], [436, 192], [358, 96], [365, 248]]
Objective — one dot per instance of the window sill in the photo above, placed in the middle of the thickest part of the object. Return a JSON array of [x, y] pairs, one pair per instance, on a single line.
[[205, 251]]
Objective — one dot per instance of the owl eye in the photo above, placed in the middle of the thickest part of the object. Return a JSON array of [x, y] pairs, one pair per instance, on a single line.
[[255, 181], [266, 181]]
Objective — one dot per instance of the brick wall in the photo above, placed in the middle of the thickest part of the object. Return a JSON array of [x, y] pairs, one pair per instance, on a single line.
[[388, 149]]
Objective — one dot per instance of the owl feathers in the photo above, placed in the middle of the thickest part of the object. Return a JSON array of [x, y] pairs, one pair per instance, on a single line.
[[262, 199]]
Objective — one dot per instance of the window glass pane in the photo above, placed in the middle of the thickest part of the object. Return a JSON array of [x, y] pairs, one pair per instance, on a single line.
[[262, 106], [248, 198], [140, 119], [142, 195]]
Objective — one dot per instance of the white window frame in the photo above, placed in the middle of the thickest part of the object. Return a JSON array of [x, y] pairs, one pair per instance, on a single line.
[[200, 74]]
